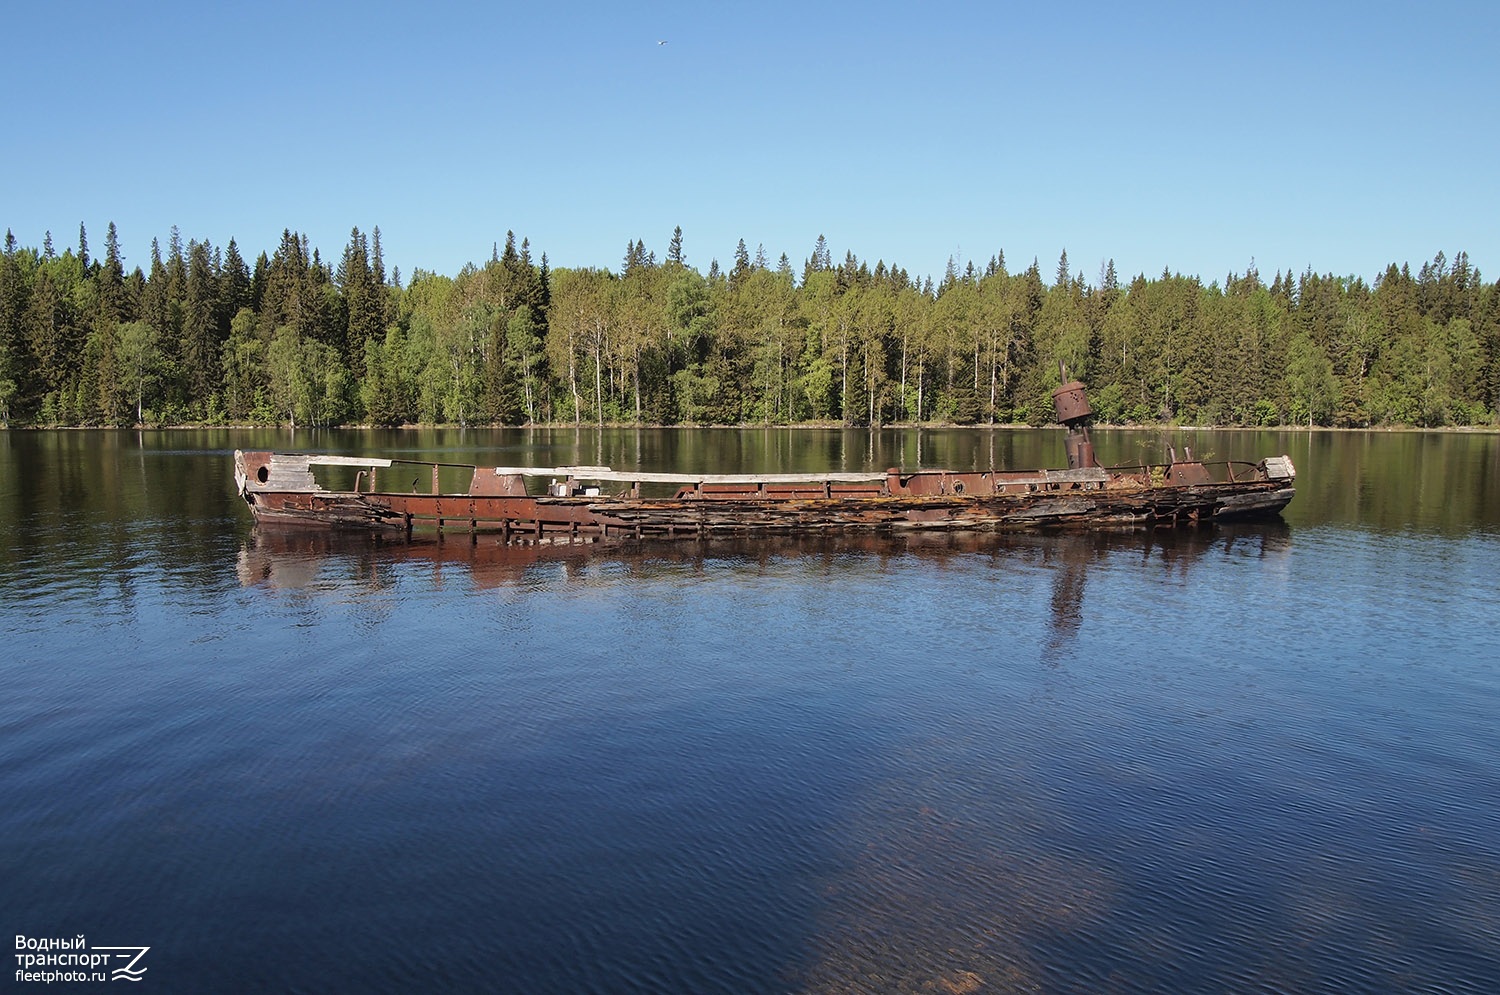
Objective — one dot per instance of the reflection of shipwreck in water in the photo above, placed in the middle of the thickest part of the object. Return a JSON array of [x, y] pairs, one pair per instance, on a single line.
[[598, 503], [310, 558], [300, 558], [1073, 558]]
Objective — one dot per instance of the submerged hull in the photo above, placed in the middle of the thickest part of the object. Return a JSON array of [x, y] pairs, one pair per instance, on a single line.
[[280, 489]]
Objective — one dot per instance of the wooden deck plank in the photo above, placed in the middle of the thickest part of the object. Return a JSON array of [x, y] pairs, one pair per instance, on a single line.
[[633, 476]]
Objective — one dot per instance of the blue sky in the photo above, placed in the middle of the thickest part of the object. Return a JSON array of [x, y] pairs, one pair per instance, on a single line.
[[1194, 137]]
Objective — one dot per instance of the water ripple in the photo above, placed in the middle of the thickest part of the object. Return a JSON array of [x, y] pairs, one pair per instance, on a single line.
[[1241, 760]]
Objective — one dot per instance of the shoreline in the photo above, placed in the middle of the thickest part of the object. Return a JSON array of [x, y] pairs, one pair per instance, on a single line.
[[890, 426]]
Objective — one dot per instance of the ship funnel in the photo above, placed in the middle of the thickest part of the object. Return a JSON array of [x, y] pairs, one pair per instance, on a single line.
[[1071, 403]]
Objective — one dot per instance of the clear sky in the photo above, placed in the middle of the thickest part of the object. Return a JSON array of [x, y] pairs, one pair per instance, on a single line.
[[1196, 137]]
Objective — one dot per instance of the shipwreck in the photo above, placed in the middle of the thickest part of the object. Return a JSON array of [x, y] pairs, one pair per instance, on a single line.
[[592, 503]]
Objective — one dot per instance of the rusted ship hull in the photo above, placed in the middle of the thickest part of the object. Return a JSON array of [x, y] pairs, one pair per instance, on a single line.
[[932, 500], [584, 503]]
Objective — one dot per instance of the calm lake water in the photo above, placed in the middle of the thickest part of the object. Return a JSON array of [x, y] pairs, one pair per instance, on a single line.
[[1254, 758]]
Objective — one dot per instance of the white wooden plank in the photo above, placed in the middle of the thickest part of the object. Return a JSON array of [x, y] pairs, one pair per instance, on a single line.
[[347, 461], [632, 476], [1084, 474]]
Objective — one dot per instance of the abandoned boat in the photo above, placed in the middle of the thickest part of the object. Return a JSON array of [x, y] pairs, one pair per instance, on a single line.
[[584, 503]]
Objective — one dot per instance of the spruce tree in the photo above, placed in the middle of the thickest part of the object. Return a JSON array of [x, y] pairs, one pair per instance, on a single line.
[[110, 282], [234, 285], [13, 306], [362, 297], [51, 336], [200, 332], [741, 264], [377, 260]]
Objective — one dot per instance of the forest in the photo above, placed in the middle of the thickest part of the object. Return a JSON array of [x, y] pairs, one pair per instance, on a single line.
[[203, 337]]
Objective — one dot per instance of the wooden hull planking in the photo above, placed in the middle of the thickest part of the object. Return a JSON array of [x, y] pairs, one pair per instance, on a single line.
[[280, 489]]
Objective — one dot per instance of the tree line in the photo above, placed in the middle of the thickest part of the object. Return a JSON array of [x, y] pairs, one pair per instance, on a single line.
[[201, 336]]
